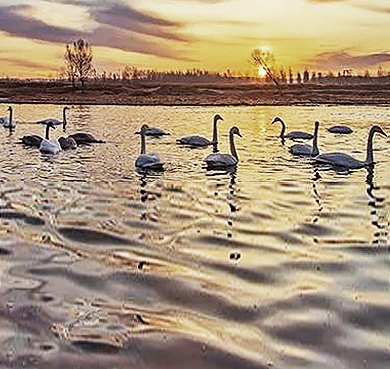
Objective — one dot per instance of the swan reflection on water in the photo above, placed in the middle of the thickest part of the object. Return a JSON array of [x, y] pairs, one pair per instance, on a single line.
[[379, 210], [148, 196], [377, 204]]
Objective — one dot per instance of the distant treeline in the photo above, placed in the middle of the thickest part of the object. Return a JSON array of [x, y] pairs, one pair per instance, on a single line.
[[132, 74]]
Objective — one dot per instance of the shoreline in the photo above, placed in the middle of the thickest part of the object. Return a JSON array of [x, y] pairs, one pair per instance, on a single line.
[[192, 93]]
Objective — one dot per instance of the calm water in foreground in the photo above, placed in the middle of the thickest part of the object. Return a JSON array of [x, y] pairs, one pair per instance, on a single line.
[[278, 264]]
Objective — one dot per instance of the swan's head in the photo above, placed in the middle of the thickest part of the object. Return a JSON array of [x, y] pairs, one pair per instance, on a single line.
[[9, 108], [144, 129], [277, 119], [377, 129], [235, 131], [217, 117], [52, 125]]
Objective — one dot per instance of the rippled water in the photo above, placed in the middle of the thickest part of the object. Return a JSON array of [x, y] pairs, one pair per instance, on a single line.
[[278, 264]]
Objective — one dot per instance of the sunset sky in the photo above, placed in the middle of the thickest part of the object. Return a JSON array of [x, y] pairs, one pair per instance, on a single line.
[[215, 35]]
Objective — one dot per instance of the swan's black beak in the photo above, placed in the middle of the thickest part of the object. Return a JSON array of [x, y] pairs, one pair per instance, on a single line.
[[382, 132]]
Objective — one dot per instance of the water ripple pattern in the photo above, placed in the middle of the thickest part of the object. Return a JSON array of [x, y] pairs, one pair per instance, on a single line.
[[278, 263]]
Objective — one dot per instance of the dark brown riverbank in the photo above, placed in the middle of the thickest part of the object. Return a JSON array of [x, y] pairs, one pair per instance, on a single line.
[[213, 94]]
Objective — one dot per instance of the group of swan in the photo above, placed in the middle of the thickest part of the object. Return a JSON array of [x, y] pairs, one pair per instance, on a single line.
[[46, 145], [215, 160], [336, 159]]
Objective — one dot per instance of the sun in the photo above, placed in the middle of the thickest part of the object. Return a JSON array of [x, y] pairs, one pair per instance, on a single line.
[[261, 72]]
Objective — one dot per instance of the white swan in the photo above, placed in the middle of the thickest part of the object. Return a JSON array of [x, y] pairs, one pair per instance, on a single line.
[[48, 146], [294, 134], [220, 161], [8, 122], [56, 122], [338, 159], [307, 150], [144, 160], [344, 130], [199, 141]]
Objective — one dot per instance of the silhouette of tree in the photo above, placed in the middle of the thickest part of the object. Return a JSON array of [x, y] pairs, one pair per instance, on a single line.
[[306, 76], [78, 59], [265, 59], [283, 77], [290, 76]]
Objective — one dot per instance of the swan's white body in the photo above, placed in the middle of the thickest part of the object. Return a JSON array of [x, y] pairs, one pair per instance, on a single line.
[[340, 130], [147, 161], [8, 122], [307, 150], [48, 146], [199, 141], [339, 159], [292, 135], [220, 161]]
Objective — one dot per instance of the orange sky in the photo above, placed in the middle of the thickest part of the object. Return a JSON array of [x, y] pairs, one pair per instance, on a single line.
[[215, 35]]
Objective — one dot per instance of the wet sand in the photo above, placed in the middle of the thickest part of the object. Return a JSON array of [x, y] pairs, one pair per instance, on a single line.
[[199, 94]]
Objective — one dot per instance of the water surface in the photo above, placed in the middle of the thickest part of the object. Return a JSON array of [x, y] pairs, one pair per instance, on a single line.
[[277, 264]]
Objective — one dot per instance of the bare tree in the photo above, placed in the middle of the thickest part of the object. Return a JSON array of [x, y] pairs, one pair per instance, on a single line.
[[265, 59], [78, 59]]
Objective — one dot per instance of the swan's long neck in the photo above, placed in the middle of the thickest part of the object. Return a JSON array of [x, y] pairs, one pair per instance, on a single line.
[[47, 132], [283, 128], [215, 133], [64, 119], [314, 149], [232, 146], [143, 144], [370, 153], [10, 119]]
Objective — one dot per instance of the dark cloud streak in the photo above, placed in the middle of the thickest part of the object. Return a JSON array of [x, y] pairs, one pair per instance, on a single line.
[[130, 19], [119, 27], [341, 59]]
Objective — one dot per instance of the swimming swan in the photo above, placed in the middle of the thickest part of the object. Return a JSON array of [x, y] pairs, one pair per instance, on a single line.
[[82, 138], [346, 161], [7, 122], [155, 131], [219, 161], [48, 146], [292, 135], [340, 130], [307, 150], [56, 122], [199, 141], [144, 160]]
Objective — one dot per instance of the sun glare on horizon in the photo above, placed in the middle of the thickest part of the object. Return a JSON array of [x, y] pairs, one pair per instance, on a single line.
[[261, 72]]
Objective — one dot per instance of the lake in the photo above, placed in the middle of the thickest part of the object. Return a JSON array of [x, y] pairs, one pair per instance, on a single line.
[[279, 263]]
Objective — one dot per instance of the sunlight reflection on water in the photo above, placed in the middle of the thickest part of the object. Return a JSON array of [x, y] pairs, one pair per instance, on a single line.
[[278, 263]]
